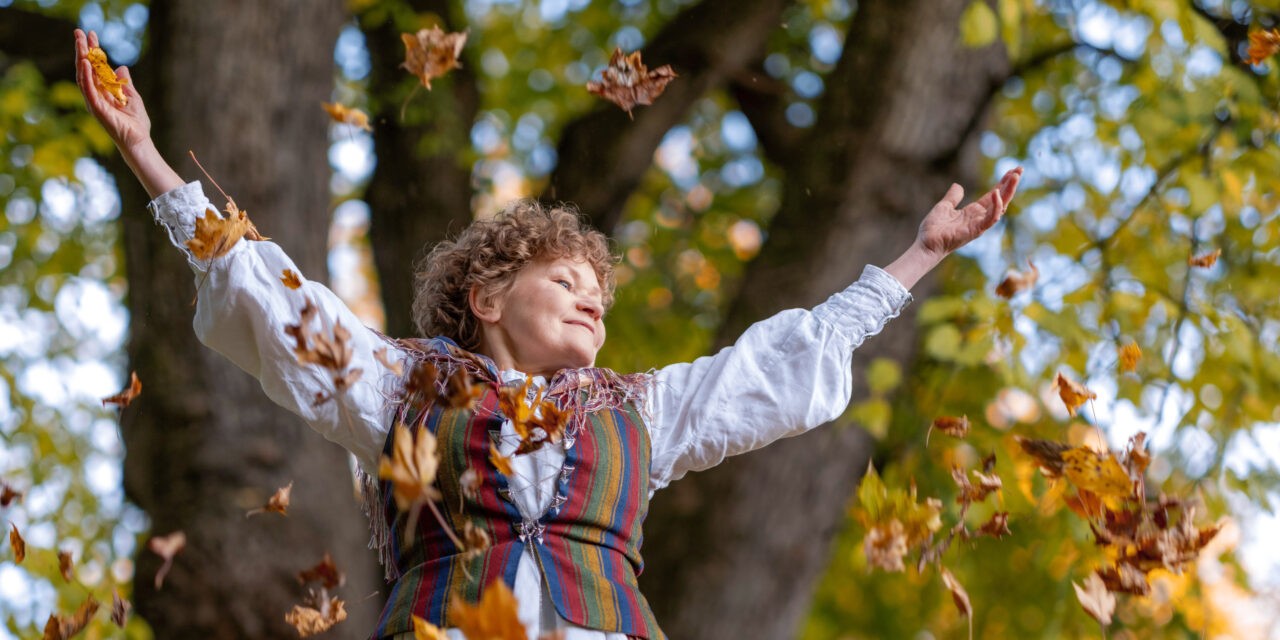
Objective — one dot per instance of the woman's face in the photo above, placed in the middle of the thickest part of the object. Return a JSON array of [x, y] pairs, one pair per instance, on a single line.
[[551, 318]]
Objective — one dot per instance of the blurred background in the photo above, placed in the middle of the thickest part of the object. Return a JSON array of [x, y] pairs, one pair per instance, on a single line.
[[802, 140]]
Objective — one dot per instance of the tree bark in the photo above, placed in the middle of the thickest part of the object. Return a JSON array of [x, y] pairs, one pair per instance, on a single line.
[[734, 552], [240, 84]]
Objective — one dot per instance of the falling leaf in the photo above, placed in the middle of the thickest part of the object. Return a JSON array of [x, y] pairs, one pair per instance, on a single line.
[[469, 483], [950, 425], [326, 572], [1263, 44], [501, 462], [422, 380], [18, 545], [460, 392], [411, 468], [395, 367], [475, 540], [8, 494], [1047, 453], [332, 353], [310, 620], [535, 421], [1096, 472], [119, 609], [277, 503], [1073, 393], [959, 596], [65, 566], [987, 483], [1126, 578], [1137, 458], [125, 397], [347, 115], [627, 82], [63, 627], [494, 618], [430, 53], [997, 527], [166, 547], [1205, 260], [885, 545], [1129, 356], [1015, 282], [215, 235], [1096, 600], [291, 279], [423, 630], [107, 77]]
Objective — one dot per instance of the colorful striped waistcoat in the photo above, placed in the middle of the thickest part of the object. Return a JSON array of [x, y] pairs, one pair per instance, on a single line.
[[587, 543]]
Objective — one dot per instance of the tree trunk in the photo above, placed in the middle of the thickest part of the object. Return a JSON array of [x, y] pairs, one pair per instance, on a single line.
[[240, 83], [735, 552]]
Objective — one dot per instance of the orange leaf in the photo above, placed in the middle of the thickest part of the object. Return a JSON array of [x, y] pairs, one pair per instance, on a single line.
[[1129, 356], [411, 468], [627, 82], [326, 572], [215, 235], [291, 279], [1015, 282], [166, 547], [1096, 600], [106, 77], [278, 502], [1073, 393], [950, 425], [125, 397], [494, 618], [1205, 260], [18, 545], [430, 53], [347, 115], [1263, 44], [63, 627], [500, 461], [423, 630]]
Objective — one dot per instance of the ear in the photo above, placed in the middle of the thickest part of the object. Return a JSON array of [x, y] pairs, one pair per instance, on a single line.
[[485, 306]]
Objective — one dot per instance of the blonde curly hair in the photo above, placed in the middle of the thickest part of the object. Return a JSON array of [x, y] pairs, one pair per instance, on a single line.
[[489, 253]]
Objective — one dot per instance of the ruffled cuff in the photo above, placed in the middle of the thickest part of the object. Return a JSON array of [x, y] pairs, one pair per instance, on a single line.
[[178, 209], [866, 306]]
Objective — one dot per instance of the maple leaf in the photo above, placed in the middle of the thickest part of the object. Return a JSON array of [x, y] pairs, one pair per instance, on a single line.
[[8, 494], [107, 77], [63, 627], [291, 279], [1205, 260], [381, 356], [959, 596], [627, 82], [1096, 600], [278, 502], [1047, 453], [411, 468], [347, 115], [1015, 282], [1097, 473], [423, 630], [494, 618], [166, 547], [311, 620], [885, 545], [1263, 44], [469, 483], [119, 608], [333, 353], [18, 545], [997, 527], [475, 540], [501, 462], [430, 53], [422, 380], [65, 566], [950, 425], [324, 571], [537, 422], [215, 235], [1073, 393], [1125, 578], [460, 392], [130, 392], [987, 483]]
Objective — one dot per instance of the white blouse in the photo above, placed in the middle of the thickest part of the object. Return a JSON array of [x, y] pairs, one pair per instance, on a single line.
[[785, 375]]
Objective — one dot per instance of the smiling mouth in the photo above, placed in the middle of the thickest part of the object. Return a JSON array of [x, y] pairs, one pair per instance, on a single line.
[[578, 323]]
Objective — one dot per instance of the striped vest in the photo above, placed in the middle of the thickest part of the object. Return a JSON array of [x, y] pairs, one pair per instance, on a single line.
[[587, 542]]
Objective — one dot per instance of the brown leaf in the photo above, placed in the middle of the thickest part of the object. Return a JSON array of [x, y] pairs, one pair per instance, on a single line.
[[103, 73], [460, 392], [215, 235], [8, 494], [66, 567], [950, 425], [331, 353], [627, 82], [119, 609], [501, 462], [381, 356], [422, 380], [475, 540], [166, 547], [494, 618], [1073, 393], [430, 53], [1125, 578], [885, 545], [1137, 459], [18, 545], [291, 279], [277, 503], [1129, 356], [1015, 282], [1096, 600], [469, 483], [536, 421], [1263, 44], [347, 115], [958, 594], [326, 572], [411, 467], [1047, 453], [1205, 260], [997, 527], [310, 621], [63, 627], [125, 397]]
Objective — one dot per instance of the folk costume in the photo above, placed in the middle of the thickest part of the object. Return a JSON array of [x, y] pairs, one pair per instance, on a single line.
[[566, 524]]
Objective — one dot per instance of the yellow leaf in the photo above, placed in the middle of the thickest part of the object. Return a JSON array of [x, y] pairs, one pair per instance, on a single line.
[[1096, 472], [1073, 393], [423, 630], [347, 115], [1129, 356], [106, 77], [291, 279], [411, 468]]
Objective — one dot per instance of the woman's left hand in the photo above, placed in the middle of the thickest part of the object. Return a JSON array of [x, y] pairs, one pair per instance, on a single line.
[[947, 228]]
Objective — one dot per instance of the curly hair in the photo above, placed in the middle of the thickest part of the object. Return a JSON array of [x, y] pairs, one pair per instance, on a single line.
[[489, 253]]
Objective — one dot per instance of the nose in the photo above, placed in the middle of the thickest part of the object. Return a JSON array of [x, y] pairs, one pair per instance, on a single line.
[[591, 307]]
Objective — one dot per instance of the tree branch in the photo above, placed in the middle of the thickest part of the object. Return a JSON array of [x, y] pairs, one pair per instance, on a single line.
[[40, 39], [603, 154]]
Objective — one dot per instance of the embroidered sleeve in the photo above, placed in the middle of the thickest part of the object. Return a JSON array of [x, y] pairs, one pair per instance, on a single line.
[[784, 376], [242, 309]]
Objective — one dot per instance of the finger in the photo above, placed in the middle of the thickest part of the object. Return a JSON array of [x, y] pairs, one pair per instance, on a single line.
[[93, 39], [1009, 185], [954, 195], [82, 46], [994, 214]]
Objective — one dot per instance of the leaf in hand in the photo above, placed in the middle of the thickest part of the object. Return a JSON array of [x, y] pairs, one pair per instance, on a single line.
[[950, 425], [627, 82], [1205, 260], [341, 113], [125, 397], [166, 547], [63, 627], [66, 567], [326, 572], [106, 77], [1015, 282], [277, 503], [1096, 600], [291, 279], [411, 468], [119, 609], [1263, 44], [18, 545], [430, 53], [1097, 472], [494, 618], [1073, 393]]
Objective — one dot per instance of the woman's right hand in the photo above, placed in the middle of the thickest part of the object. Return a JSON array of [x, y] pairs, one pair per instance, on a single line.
[[128, 125]]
